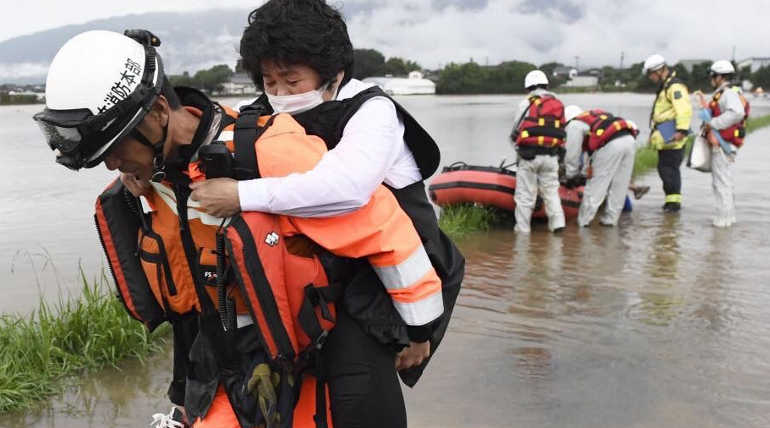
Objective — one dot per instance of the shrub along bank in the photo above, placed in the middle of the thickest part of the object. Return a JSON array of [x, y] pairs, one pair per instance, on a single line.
[[44, 352]]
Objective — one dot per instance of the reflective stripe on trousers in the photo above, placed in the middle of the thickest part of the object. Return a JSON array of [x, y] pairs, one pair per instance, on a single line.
[[722, 184], [612, 166], [539, 175]]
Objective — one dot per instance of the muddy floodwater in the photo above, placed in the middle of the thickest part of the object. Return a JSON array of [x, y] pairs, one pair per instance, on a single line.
[[663, 321]]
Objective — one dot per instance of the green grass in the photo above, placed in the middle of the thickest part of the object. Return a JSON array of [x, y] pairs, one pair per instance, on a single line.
[[462, 219], [42, 353], [647, 158]]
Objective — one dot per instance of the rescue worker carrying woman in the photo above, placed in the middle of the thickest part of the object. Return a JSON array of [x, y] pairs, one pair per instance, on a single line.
[[252, 325], [726, 115], [610, 142], [538, 134], [300, 54], [669, 124]]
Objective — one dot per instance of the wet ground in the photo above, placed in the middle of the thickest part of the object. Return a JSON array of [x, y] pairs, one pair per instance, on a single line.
[[660, 322]]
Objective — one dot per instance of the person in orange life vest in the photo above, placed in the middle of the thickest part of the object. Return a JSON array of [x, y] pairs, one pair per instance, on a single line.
[[538, 134], [610, 143], [727, 113], [300, 54], [149, 110]]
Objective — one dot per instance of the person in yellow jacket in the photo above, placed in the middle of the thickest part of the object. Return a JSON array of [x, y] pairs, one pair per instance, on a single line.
[[670, 124], [123, 112]]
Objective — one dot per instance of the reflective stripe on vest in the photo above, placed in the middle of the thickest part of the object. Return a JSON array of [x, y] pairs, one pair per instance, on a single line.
[[603, 128], [542, 124]]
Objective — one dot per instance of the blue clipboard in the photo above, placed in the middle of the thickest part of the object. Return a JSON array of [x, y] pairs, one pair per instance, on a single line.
[[667, 130]]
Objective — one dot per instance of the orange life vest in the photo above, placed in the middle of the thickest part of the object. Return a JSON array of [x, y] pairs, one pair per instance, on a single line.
[[542, 124], [604, 127], [736, 133]]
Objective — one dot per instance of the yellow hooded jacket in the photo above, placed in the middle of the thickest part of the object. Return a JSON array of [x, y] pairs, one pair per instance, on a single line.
[[672, 103]]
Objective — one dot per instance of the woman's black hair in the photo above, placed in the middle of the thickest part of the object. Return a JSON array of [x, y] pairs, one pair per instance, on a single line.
[[307, 32], [174, 103]]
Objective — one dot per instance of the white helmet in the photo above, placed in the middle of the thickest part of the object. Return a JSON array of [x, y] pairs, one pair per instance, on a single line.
[[722, 66], [534, 78], [99, 87], [571, 112], [653, 62]]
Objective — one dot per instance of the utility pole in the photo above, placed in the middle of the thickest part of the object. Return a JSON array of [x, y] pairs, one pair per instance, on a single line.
[[577, 63], [622, 57], [733, 54]]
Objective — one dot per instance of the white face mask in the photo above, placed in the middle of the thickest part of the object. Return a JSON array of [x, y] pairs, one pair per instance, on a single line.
[[298, 103]]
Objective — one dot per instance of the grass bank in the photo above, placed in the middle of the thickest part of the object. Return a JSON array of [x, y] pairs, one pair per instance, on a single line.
[[44, 352], [459, 220]]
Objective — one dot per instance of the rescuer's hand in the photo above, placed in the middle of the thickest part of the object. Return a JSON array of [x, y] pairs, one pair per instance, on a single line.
[[218, 196], [135, 185], [412, 355], [678, 136]]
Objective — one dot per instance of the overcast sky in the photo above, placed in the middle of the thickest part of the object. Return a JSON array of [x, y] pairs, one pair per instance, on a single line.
[[435, 32]]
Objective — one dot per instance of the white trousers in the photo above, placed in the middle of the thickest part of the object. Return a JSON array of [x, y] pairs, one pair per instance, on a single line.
[[612, 166], [722, 184], [539, 175]]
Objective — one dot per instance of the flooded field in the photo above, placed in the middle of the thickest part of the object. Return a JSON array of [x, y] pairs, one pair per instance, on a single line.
[[660, 322]]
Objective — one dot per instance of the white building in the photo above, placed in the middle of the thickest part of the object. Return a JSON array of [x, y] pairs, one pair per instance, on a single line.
[[582, 82], [415, 84], [239, 84], [755, 63]]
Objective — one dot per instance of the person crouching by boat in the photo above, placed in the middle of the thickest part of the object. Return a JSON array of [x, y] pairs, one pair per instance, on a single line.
[[610, 142], [539, 138], [726, 116]]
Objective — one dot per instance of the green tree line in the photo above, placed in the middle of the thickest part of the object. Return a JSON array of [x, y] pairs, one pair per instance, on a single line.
[[209, 80], [504, 78]]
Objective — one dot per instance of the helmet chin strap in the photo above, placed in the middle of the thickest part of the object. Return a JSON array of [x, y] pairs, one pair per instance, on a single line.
[[158, 162]]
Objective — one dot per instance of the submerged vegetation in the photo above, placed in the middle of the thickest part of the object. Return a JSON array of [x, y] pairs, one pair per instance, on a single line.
[[462, 219], [41, 353], [459, 220]]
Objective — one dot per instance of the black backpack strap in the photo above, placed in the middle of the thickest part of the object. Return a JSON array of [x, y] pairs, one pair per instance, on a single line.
[[245, 135]]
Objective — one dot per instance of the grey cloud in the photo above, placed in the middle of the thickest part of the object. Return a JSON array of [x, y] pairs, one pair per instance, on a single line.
[[564, 10], [459, 4]]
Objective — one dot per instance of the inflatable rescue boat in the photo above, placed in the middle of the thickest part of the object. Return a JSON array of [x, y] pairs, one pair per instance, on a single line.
[[491, 186]]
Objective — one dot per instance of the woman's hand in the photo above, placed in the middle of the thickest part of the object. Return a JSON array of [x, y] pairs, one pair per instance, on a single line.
[[413, 355], [218, 196]]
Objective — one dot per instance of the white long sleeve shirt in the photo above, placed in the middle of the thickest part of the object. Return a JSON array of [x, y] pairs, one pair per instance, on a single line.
[[731, 109], [371, 151], [576, 130]]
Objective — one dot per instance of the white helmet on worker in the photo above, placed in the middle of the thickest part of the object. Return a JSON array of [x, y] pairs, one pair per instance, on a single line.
[[99, 87], [571, 112], [722, 66], [535, 78], [653, 63]]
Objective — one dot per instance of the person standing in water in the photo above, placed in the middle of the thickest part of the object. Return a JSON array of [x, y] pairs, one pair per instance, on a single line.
[[670, 123], [725, 118], [538, 135]]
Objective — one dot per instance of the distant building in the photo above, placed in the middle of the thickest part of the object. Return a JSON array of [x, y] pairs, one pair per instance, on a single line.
[[582, 82], [415, 84], [562, 71], [239, 84], [755, 63], [688, 64]]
